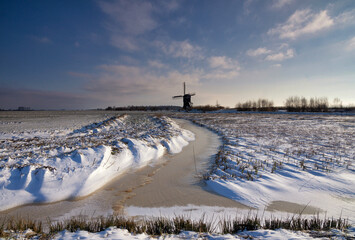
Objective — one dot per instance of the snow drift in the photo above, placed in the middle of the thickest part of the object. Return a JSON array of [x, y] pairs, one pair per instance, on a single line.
[[63, 166]]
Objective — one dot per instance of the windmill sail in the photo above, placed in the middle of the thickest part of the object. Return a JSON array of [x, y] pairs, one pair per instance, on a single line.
[[179, 96]]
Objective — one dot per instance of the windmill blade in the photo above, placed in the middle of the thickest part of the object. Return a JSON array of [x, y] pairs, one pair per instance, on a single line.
[[179, 96], [192, 94]]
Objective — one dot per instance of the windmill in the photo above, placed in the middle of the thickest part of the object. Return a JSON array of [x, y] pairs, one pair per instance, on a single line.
[[186, 99]]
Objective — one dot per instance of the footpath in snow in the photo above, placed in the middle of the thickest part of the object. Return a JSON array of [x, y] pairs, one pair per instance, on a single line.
[[47, 166]]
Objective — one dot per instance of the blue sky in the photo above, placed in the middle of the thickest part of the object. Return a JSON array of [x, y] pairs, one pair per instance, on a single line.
[[90, 54]]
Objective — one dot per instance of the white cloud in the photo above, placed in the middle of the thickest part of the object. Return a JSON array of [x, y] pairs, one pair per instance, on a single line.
[[350, 44], [124, 42], [258, 52], [346, 18], [281, 3], [180, 21], [283, 46], [135, 17], [223, 62], [275, 57], [221, 75], [121, 79], [179, 49], [281, 55], [303, 22], [247, 6], [175, 77], [127, 21], [277, 65], [156, 64], [116, 80], [222, 68], [171, 5]]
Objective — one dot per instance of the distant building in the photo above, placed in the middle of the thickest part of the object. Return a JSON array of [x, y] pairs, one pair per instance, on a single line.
[[23, 109]]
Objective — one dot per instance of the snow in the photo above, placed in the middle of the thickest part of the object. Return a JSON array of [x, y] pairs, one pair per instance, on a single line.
[[293, 158], [303, 159], [278, 234], [114, 233], [47, 165]]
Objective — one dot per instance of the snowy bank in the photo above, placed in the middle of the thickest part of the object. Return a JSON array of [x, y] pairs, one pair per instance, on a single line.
[[116, 233], [68, 164], [276, 162]]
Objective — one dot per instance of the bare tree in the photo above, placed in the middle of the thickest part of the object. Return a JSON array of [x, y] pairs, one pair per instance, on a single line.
[[337, 103]]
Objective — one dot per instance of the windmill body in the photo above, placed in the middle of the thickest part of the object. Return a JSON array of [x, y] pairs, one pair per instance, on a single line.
[[187, 104]]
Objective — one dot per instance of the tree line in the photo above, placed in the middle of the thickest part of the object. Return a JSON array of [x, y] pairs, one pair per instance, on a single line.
[[293, 104], [256, 105], [301, 104]]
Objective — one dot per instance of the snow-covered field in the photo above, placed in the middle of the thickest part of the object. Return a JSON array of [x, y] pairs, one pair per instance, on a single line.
[[38, 123], [266, 162], [42, 162], [272, 159]]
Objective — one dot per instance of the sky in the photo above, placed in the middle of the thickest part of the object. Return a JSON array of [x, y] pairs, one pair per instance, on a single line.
[[86, 54]]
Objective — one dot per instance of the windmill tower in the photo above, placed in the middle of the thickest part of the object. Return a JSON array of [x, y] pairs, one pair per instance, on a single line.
[[186, 99]]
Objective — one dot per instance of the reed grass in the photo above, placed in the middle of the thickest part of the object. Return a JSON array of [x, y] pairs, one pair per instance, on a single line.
[[162, 226]]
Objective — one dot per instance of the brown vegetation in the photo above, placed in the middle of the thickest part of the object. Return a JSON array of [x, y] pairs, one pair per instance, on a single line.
[[253, 105], [159, 226]]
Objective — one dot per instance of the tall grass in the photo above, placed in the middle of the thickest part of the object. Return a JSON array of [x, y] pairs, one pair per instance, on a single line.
[[160, 226], [12, 224], [152, 226], [94, 224]]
